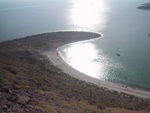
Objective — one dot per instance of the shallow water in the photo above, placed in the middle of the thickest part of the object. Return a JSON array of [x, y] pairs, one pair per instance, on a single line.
[[121, 55]]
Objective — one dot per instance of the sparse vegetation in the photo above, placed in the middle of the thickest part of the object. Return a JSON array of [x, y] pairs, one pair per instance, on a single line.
[[1, 80], [40, 87], [47, 107], [9, 69], [63, 103], [24, 87], [41, 92], [100, 106]]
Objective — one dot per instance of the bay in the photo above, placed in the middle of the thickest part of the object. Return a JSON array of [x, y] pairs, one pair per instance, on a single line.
[[121, 55]]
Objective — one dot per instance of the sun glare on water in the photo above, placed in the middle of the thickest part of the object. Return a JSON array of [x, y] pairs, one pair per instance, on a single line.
[[89, 14], [84, 57]]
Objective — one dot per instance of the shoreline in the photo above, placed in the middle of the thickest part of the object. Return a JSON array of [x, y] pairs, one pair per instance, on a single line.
[[56, 59], [30, 82]]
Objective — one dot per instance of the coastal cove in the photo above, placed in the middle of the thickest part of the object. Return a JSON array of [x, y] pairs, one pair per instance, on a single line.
[[122, 55], [54, 56], [75, 56], [31, 81]]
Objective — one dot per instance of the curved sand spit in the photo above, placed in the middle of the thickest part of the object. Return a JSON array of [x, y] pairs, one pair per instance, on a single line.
[[69, 37]]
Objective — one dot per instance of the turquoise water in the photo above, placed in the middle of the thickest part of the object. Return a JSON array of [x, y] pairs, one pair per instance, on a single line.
[[125, 32]]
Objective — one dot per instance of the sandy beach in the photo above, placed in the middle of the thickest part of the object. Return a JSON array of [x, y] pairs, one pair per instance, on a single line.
[[54, 56], [34, 78]]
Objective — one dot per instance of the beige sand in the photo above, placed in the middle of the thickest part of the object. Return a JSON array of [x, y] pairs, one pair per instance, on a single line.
[[53, 55]]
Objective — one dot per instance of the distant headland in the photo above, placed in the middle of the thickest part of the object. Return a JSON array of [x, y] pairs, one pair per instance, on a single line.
[[144, 6]]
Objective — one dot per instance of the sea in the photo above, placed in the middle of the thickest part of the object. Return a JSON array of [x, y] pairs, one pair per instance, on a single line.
[[120, 55]]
